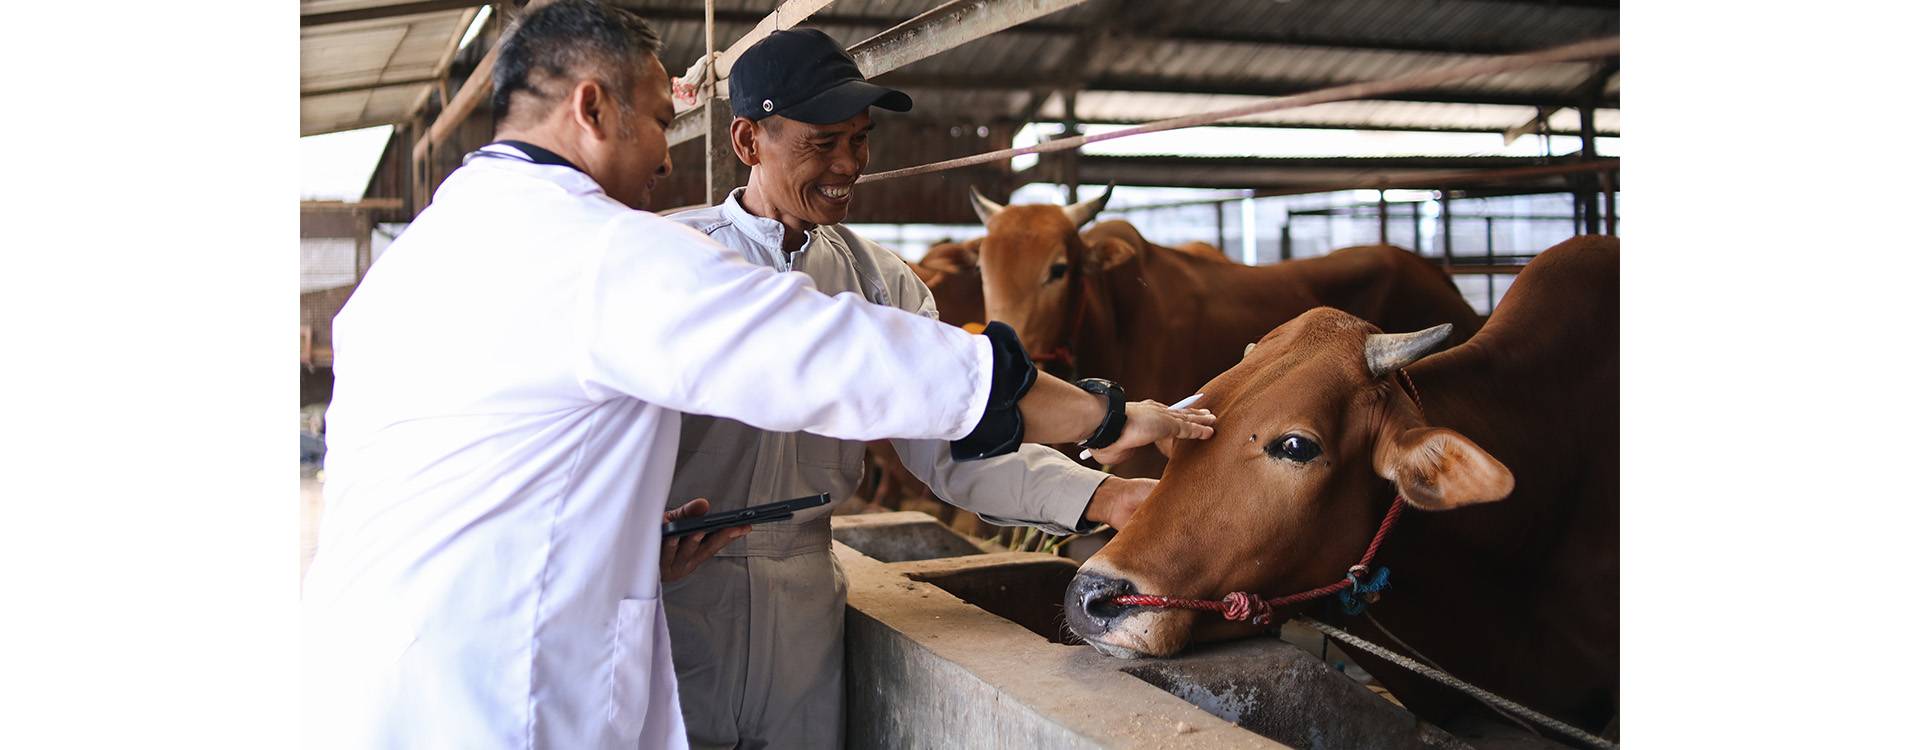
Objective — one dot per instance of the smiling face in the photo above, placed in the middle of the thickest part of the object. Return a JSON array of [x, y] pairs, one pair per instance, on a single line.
[[804, 173], [1310, 447]]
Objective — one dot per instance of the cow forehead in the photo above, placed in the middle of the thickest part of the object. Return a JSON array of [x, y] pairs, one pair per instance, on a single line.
[[1029, 229], [1312, 365]]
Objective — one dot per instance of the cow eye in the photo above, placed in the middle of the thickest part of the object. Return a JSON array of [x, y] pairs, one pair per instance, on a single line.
[[1058, 271], [1294, 448]]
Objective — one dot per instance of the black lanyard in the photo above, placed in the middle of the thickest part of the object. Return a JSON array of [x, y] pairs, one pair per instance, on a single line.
[[535, 155]]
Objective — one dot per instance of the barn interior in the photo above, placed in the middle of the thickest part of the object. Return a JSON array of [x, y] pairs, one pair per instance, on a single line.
[[1476, 174]]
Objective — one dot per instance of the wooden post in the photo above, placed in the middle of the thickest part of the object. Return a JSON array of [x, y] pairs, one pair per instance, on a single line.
[[362, 243], [1286, 240], [724, 170], [1446, 230]]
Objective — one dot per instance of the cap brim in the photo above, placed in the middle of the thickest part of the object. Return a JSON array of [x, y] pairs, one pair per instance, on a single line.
[[843, 102]]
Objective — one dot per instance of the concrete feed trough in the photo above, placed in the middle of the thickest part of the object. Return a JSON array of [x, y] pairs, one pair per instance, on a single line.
[[970, 651]]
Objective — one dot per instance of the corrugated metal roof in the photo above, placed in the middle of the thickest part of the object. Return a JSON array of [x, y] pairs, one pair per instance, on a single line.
[[1166, 59], [1159, 59], [359, 74]]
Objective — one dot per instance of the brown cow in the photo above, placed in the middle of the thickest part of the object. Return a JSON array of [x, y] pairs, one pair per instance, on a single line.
[[1162, 322], [951, 270], [1316, 436], [1125, 232]]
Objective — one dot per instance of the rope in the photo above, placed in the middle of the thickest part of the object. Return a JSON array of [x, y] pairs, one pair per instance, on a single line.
[[1241, 605], [1364, 90], [1456, 683], [1436, 665]]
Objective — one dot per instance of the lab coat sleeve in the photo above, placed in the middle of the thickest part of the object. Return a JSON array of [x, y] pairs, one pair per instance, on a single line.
[[673, 318], [1034, 486]]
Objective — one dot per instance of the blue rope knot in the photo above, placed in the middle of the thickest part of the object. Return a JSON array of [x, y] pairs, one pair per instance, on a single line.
[[1355, 598]]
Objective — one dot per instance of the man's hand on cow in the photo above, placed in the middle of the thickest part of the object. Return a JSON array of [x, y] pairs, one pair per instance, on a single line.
[[1117, 498], [680, 555], [1151, 422]]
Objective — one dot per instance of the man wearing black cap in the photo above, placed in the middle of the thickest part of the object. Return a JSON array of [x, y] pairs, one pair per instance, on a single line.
[[757, 631]]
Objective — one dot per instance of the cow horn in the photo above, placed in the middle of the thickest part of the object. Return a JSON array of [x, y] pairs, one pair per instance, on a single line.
[[1084, 211], [1387, 352], [986, 209]]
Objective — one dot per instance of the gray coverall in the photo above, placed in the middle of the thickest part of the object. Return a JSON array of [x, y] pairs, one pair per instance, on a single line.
[[758, 630]]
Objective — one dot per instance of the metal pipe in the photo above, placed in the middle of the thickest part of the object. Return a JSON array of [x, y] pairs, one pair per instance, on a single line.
[[1220, 226], [1072, 160], [1489, 261], [1589, 201], [1383, 216], [1416, 228], [1606, 193]]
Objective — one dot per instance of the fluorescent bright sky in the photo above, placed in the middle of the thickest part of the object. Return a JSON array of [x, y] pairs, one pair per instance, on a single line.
[[336, 166]]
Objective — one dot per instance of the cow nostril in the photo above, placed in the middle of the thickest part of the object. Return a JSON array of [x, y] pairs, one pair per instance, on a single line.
[[1102, 606]]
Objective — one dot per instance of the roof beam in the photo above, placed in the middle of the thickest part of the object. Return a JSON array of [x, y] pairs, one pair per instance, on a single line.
[[946, 27], [476, 89], [310, 20], [371, 86], [1042, 29], [1262, 89]]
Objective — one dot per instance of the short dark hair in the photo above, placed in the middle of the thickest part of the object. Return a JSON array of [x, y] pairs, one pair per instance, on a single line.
[[565, 41]]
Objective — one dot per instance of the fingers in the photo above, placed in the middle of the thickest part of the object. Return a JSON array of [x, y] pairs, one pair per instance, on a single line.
[[695, 507], [679, 556]]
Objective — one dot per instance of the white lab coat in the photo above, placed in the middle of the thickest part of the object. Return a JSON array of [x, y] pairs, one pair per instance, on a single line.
[[509, 382]]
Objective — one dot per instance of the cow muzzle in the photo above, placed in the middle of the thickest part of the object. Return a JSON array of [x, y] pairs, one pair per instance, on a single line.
[[1090, 607]]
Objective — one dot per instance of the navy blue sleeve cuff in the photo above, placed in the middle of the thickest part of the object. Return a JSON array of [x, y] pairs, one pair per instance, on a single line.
[[1000, 430]]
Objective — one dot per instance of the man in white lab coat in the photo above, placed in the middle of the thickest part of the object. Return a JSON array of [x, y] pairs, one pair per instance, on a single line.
[[758, 633], [510, 380]]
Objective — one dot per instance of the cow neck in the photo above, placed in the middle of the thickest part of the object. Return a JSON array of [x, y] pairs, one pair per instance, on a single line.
[[1065, 359]]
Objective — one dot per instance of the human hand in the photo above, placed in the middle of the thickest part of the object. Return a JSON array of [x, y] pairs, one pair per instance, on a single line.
[[680, 555], [1151, 422], [1117, 498]]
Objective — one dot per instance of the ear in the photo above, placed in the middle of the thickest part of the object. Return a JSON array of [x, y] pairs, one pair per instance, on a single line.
[[745, 148], [1106, 254], [1438, 469], [589, 108]]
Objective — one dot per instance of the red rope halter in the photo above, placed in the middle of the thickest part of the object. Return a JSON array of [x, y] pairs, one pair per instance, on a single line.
[[1063, 352], [1241, 605]]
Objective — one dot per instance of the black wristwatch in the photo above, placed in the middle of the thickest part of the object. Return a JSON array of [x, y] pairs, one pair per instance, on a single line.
[[1116, 420]]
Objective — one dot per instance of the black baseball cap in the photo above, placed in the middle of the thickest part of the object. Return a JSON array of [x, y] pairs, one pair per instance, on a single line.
[[805, 75]]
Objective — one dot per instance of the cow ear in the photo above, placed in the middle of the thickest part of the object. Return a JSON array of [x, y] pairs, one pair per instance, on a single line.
[[1438, 469], [1107, 253]]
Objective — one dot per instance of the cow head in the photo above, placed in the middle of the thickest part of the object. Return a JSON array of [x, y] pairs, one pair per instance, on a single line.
[[1032, 262], [1314, 438]]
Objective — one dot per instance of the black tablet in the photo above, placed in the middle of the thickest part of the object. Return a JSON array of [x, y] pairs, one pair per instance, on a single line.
[[779, 511]]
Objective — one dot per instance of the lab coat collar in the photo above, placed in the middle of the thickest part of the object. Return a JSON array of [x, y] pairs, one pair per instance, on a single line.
[[519, 161], [767, 232]]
